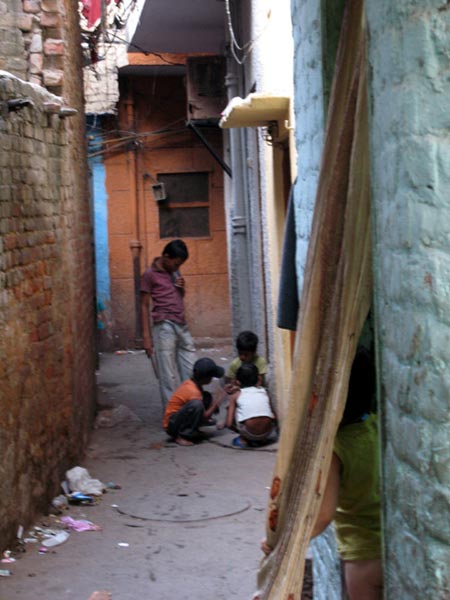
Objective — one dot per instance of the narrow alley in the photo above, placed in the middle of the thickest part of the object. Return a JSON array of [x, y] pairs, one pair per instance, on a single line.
[[296, 154], [186, 523]]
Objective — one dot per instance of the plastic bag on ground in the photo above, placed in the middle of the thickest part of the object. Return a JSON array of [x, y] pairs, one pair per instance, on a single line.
[[79, 524], [80, 481], [55, 540]]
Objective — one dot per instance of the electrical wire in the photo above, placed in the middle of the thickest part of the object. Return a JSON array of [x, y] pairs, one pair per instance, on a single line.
[[146, 52], [246, 48], [126, 142], [136, 136]]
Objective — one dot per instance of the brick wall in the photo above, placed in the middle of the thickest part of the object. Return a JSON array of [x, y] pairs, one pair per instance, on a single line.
[[13, 22], [32, 40], [46, 292], [411, 179]]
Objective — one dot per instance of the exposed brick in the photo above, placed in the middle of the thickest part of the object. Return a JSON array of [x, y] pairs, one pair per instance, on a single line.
[[36, 80], [36, 62], [52, 78], [31, 6], [50, 5], [50, 19], [54, 47], [25, 22], [36, 42], [10, 241]]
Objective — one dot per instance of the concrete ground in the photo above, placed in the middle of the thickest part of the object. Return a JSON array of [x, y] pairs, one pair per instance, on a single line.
[[186, 523]]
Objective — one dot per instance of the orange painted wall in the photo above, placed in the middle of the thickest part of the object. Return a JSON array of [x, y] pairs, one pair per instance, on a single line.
[[149, 104]]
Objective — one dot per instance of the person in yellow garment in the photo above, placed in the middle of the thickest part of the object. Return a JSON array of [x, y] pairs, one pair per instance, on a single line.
[[352, 494], [247, 347]]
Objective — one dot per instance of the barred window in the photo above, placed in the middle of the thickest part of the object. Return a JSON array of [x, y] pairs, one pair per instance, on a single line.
[[185, 211]]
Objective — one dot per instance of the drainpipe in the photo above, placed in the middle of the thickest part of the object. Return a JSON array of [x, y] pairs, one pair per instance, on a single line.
[[239, 267], [136, 248], [135, 244]]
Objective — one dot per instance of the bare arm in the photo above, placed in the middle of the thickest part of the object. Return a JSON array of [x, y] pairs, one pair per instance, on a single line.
[[328, 506], [211, 409], [330, 498], [231, 386], [145, 314], [231, 410]]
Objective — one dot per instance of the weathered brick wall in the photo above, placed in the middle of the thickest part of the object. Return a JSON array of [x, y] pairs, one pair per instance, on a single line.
[[47, 364], [13, 22], [411, 180], [33, 44]]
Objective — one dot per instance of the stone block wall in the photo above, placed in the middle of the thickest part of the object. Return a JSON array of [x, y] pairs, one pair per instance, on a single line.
[[410, 91], [47, 323]]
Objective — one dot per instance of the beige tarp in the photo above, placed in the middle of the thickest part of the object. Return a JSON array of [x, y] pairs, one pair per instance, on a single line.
[[335, 301]]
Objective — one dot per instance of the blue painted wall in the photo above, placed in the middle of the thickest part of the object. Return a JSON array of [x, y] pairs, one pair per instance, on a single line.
[[100, 210]]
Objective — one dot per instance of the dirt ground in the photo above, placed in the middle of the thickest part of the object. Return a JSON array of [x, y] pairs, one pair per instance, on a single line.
[[186, 523]]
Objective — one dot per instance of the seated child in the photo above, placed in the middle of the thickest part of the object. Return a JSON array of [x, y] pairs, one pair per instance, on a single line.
[[189, 406], [250, 410], [246, 345]]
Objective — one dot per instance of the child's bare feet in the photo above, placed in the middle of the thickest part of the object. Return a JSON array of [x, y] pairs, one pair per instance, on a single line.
[[221, 426], [183, 442]]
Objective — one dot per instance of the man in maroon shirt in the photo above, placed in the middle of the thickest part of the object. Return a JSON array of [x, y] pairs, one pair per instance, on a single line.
[[168, 337]]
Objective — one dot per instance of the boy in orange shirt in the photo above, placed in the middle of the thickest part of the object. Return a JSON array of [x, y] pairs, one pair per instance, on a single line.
[[188, 407]]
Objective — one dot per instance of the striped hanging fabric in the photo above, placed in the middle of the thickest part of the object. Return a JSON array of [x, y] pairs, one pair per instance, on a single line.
[[335, 301]]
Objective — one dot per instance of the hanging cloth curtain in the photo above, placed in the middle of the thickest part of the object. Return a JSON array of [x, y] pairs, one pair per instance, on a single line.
[[335, 301], [287, 312], [92, 11]]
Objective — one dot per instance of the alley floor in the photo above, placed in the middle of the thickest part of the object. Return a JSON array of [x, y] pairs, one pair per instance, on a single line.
[[186, 523]]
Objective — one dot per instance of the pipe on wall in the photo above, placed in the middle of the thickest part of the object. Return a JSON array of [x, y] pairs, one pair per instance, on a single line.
[[135, 244], [239, 266]]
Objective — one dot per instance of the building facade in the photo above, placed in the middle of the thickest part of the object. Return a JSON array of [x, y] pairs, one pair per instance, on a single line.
[[160, 183], [156, 156]]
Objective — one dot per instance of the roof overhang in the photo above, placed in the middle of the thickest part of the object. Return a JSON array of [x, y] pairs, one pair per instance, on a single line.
[[257, 110]]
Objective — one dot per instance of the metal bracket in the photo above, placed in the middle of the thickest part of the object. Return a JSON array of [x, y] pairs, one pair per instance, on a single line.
[[208, 146]]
